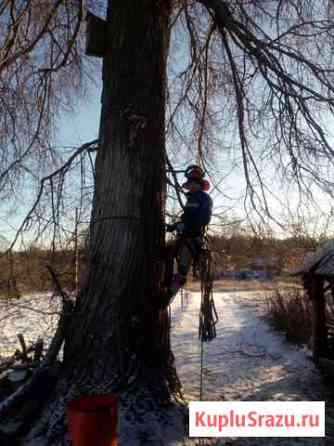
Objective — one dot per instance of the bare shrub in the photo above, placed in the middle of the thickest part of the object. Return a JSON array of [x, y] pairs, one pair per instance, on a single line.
[[290, 311]]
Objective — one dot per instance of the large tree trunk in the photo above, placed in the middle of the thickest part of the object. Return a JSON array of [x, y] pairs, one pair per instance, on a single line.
[[117, 315], [118, 335]]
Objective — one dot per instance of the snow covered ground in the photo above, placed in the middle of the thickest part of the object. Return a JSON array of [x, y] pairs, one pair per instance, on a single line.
[[247, 360], [33, 316]]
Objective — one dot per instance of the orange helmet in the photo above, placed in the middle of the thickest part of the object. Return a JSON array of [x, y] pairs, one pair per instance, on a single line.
[[194, 172]]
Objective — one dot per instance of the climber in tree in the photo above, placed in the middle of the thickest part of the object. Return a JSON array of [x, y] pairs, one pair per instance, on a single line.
[[190, 229]]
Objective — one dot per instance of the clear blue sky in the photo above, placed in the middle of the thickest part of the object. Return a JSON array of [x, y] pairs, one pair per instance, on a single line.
[[82, 125]]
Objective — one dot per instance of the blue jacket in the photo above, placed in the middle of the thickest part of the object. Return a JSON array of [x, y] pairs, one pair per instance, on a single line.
[[197, 213]]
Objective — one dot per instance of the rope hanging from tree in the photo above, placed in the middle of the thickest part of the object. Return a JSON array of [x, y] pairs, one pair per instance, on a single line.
[[208, 316]]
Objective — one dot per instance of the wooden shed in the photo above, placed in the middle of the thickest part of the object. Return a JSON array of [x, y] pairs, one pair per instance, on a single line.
[[317, 273]]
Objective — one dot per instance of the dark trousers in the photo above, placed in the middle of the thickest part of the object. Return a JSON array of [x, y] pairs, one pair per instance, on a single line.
[[184, 250]]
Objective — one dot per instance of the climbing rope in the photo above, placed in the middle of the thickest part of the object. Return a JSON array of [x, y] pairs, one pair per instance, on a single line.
[[182, 298], [201, 373], [208, 316]]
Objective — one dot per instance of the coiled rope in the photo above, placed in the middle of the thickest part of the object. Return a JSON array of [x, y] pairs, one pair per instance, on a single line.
[[208, 316]]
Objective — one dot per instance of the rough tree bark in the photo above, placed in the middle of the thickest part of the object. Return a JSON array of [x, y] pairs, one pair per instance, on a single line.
[[117, 334], [127, 235]]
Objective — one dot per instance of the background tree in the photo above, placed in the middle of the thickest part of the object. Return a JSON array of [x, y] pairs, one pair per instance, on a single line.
[[263, 70]]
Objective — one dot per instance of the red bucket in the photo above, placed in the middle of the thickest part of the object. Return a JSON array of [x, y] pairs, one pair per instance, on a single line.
[[92, 420]]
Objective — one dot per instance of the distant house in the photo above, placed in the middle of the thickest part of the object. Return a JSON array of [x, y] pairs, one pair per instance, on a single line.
[[268, 266]]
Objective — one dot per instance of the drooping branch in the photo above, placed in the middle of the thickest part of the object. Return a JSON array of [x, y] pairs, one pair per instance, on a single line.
[[281, 76], [61, 171], [41, 66]]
